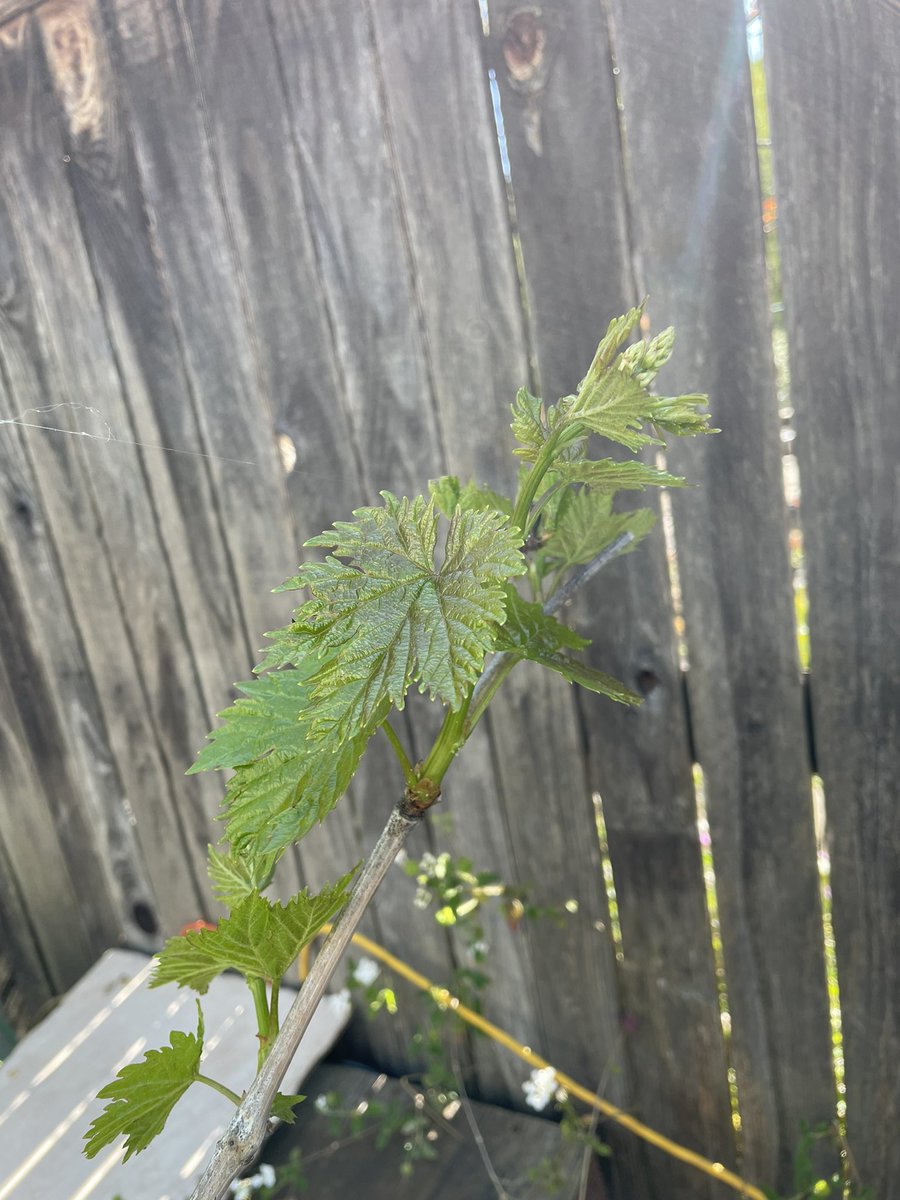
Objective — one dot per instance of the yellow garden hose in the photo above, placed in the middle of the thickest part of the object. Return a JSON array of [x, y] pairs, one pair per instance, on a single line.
[[443, 997]]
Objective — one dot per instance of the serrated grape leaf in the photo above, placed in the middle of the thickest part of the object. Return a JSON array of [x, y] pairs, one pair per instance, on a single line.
[[143, 1094], [283, 782], [386, 616], [283, 1107], [586, 524], [607, 475], [260, 938], [265, 717], [449, 494], [530, 633], [235, 876]]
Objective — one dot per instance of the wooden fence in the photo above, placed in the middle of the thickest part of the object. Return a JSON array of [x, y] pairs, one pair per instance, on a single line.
[[235, 231]]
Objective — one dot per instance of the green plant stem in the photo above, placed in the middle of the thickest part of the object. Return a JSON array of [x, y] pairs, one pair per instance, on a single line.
[[273, 1011], [257, 988], [521, 513], [221, 1089], [408, 769], [450, 738]]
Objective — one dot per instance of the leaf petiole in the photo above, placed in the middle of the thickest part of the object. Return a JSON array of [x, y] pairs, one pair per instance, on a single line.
[[409, 770], [257, 988], [220, 1088]]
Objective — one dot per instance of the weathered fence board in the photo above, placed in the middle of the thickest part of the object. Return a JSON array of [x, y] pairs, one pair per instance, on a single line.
[[561, 123], [55, 352], [694, 187], [835, 107], [455, 216], [233, 228], [93, 823]]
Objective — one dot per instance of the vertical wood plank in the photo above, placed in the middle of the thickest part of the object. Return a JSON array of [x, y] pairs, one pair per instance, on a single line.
[[350, 202], [134, 294], [533, 812], [55, 352], [696, 210], [554, 72], [835, 109], [92, 820]]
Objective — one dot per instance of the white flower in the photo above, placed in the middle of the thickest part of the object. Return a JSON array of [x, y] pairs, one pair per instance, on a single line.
[[479, 949], [427, 862], [366, 971], [539, 1088], [321, 1104], [265, 1176], [242, 1189], [422, 898]]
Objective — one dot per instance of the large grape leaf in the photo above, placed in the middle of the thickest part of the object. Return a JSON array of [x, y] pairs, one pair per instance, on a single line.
[[385, 615]]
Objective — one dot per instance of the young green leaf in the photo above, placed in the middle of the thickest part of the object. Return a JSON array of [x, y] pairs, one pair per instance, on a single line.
[[617, 334], [388, 617], [530, 633], [235, 876], [607, 475], [449, 495], [645, 359], [260, 939], [283, 782], [586, 524], [143, 1094], [283, 1107]]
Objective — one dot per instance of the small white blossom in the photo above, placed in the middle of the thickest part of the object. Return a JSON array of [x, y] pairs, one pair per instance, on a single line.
[[266, 1175], [539, 1089], [422, 898], [560, 1095], [242, 1189], [427, 862], [321, 1103], [479, 949], [366, 971]]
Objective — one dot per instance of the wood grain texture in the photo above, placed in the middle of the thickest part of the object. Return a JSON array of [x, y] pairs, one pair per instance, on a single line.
[[696, 210], [58, 705], [164, 115], [456, 224], [365, 287], [835, 109], [55, 352], [560, 114]]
